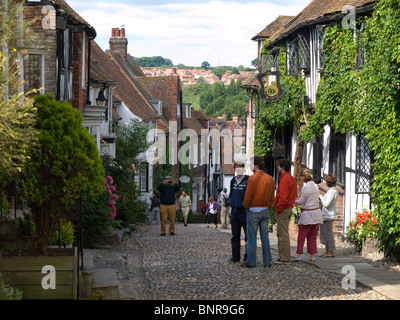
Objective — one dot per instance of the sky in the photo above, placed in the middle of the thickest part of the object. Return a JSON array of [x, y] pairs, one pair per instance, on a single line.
[[187, 31]]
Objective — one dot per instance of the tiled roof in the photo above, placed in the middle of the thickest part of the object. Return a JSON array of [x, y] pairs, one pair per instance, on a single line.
[[115, 115], [117, 57], [97, 73], [251, 82], [65, 9], [126, 89], [134, 67], [318, 11], [271, 28], [166, 89]]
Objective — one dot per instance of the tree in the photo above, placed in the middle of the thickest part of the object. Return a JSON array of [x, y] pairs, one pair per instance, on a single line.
[[64, 166], [16, 108], [131, 141], [156, 61], [235, 71], [219, 71], [205, 65], [254, 63]]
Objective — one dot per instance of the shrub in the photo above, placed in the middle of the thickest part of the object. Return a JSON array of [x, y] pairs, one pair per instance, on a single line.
[[64, 166], [95, 220], [65, 234], [8, 293]]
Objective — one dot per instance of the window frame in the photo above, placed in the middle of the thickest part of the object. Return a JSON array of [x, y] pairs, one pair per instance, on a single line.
[[42, 72], [364, 159], [337, 148], [144, 174]]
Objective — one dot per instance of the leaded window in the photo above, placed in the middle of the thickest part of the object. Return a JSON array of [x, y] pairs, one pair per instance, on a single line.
[[320, 52], [364, 170], [292, 57], [298, 54], [33, 74], [304, 51]]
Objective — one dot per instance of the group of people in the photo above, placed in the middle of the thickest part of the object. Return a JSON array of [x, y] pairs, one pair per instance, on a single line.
[[248, 206], [252, 198]]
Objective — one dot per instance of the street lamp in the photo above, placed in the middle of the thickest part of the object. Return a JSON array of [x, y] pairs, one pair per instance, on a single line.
[[101, 101]]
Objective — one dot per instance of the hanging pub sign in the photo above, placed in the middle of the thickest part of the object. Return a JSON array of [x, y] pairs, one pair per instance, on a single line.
[[269, 76]]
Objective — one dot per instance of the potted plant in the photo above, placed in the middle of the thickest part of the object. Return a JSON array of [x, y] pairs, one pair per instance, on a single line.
[[362, 228]]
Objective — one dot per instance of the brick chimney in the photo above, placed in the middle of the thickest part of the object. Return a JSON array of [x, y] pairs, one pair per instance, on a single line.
[[118, 42]]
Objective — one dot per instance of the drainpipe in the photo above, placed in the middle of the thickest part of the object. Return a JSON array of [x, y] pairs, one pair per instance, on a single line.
[[88, 102]]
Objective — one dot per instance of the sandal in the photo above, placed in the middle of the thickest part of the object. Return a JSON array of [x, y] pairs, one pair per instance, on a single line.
[[327, 255], [324, 254]]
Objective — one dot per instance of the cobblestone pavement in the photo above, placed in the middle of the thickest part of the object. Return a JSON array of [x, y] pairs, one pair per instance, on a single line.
[[194, 264]]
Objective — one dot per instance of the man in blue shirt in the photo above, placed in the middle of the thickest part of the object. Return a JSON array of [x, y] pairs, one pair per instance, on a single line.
[[238, 212]]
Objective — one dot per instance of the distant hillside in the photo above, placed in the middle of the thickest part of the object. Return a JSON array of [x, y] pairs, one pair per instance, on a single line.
[[154, 62]]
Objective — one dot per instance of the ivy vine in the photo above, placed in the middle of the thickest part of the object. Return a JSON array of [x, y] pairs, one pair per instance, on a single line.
[[368, 101]]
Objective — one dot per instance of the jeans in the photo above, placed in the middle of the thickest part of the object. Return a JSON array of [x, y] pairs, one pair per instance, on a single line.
[[154, 212], [257, 220], [238, 221]]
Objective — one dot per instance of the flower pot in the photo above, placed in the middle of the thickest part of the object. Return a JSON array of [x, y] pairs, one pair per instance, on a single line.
[[370, 245], [31, 276]]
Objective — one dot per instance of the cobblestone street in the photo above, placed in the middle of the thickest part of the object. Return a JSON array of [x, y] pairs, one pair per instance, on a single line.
[[194, 264]]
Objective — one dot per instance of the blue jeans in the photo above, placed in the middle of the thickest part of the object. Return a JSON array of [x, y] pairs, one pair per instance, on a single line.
[[257, 220]]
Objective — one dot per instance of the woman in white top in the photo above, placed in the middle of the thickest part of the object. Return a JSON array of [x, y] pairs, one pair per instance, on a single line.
[[311, 216], [328, 214]]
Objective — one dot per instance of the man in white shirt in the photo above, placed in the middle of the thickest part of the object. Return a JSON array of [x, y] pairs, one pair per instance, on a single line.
[[185, 205], [225, 218]]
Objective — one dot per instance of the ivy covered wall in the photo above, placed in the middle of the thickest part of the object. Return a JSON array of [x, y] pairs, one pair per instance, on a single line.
[[357, 100], [367, 100]]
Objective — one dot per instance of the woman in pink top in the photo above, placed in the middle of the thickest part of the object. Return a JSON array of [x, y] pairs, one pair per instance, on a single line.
[[311, 215]]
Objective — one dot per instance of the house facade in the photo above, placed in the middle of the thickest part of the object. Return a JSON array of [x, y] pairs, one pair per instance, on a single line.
[[57, 51], [345, 155], [114, 79]]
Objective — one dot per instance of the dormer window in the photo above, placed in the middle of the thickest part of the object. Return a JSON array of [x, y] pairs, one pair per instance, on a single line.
[[157, 104]]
